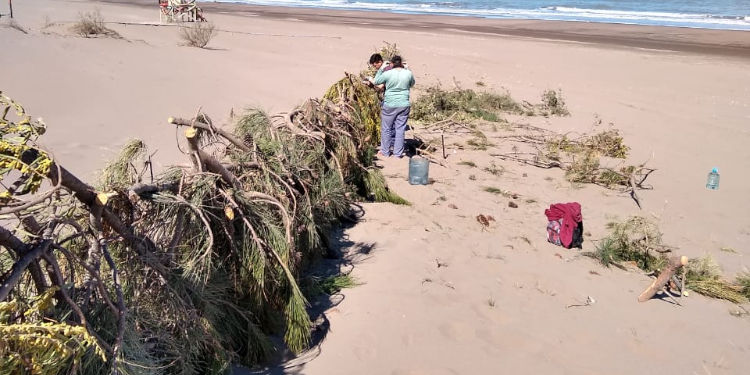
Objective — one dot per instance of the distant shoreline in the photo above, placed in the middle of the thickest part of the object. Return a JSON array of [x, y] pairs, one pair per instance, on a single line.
[[702, 20], [732, 43]]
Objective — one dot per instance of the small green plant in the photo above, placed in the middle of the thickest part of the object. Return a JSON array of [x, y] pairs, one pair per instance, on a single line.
[[743, 280], [468, 163], [495, 170], [504, 193], [198, 34], [480, 83], [491, 302], [479, 141], [553, 103], [493, 190], [583, 168], [637, 239]]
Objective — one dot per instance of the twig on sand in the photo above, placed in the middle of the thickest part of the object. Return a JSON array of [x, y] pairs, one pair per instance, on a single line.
[[589, 301]]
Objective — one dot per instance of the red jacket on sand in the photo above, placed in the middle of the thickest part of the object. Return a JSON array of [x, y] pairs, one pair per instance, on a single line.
[[570, 213]]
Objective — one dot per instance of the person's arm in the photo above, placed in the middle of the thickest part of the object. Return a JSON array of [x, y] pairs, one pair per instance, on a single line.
[[411, 82], [380, 76]]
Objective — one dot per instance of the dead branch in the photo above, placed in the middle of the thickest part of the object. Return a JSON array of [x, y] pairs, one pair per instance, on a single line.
[[144, 247], [200, 125], [206, 162], [27, 258], [121, 309], [59, 282]]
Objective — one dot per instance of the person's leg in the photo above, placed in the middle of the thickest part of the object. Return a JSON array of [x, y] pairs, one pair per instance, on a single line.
[[387, 117], [399, 126]]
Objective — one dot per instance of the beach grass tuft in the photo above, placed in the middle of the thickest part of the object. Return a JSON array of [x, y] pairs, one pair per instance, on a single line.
[[743, 280], [553, 103], [704, 276], [437, 104], [494, 170], [636, 239]]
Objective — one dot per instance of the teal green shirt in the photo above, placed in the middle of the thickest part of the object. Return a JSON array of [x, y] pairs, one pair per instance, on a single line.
[[398, 82]]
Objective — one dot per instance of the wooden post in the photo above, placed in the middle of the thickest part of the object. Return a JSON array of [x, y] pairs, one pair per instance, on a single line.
[[10, 5], [664, 277], [442, 141]]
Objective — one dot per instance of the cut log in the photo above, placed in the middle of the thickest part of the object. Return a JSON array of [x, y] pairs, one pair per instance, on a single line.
[[666, 274]]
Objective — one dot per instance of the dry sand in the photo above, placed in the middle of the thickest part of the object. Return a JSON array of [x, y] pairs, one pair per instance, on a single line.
[[686, 108]]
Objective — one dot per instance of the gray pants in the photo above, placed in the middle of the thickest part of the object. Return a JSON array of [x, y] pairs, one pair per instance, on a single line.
[[393, 123]]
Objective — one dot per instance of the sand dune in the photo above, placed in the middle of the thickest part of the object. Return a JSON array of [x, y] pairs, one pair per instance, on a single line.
[[685, 111]]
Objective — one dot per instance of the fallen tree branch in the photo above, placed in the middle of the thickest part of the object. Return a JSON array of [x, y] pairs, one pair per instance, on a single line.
[[200, 125], [28, 257]]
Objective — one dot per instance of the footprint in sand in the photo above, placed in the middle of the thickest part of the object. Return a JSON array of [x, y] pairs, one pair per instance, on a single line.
[[364, 353], [457, 331], [407, 339]]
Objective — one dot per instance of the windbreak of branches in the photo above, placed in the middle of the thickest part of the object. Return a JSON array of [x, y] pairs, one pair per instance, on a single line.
[[183, 272]]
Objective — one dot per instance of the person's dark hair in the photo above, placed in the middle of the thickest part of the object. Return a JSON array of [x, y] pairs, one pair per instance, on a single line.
[[397, 62], [376, 58]]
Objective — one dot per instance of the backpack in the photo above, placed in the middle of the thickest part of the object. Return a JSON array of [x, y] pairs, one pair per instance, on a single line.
[[553, 234]]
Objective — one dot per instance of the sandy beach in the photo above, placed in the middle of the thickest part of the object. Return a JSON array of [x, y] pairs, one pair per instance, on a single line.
[[680, 97]]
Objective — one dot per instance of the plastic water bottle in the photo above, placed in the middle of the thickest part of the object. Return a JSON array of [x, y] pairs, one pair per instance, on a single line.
[[712, 182], [419, 170]]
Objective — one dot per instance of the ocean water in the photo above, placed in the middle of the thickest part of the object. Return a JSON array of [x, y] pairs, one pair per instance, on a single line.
[[709, 14]]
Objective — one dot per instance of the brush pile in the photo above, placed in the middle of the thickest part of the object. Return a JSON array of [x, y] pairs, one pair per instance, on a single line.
[[187, 271], [583, 158]]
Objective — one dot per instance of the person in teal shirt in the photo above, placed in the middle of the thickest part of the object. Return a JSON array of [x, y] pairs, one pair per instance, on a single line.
[[396, 106]]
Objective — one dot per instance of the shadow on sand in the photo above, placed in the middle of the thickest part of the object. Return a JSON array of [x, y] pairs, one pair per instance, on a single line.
[[342, 256]]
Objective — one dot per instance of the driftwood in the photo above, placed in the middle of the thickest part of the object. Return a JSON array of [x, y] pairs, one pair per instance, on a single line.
[[666, 274]]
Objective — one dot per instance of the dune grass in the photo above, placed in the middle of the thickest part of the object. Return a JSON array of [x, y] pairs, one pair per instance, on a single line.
[[553, 103], [437, 104]]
